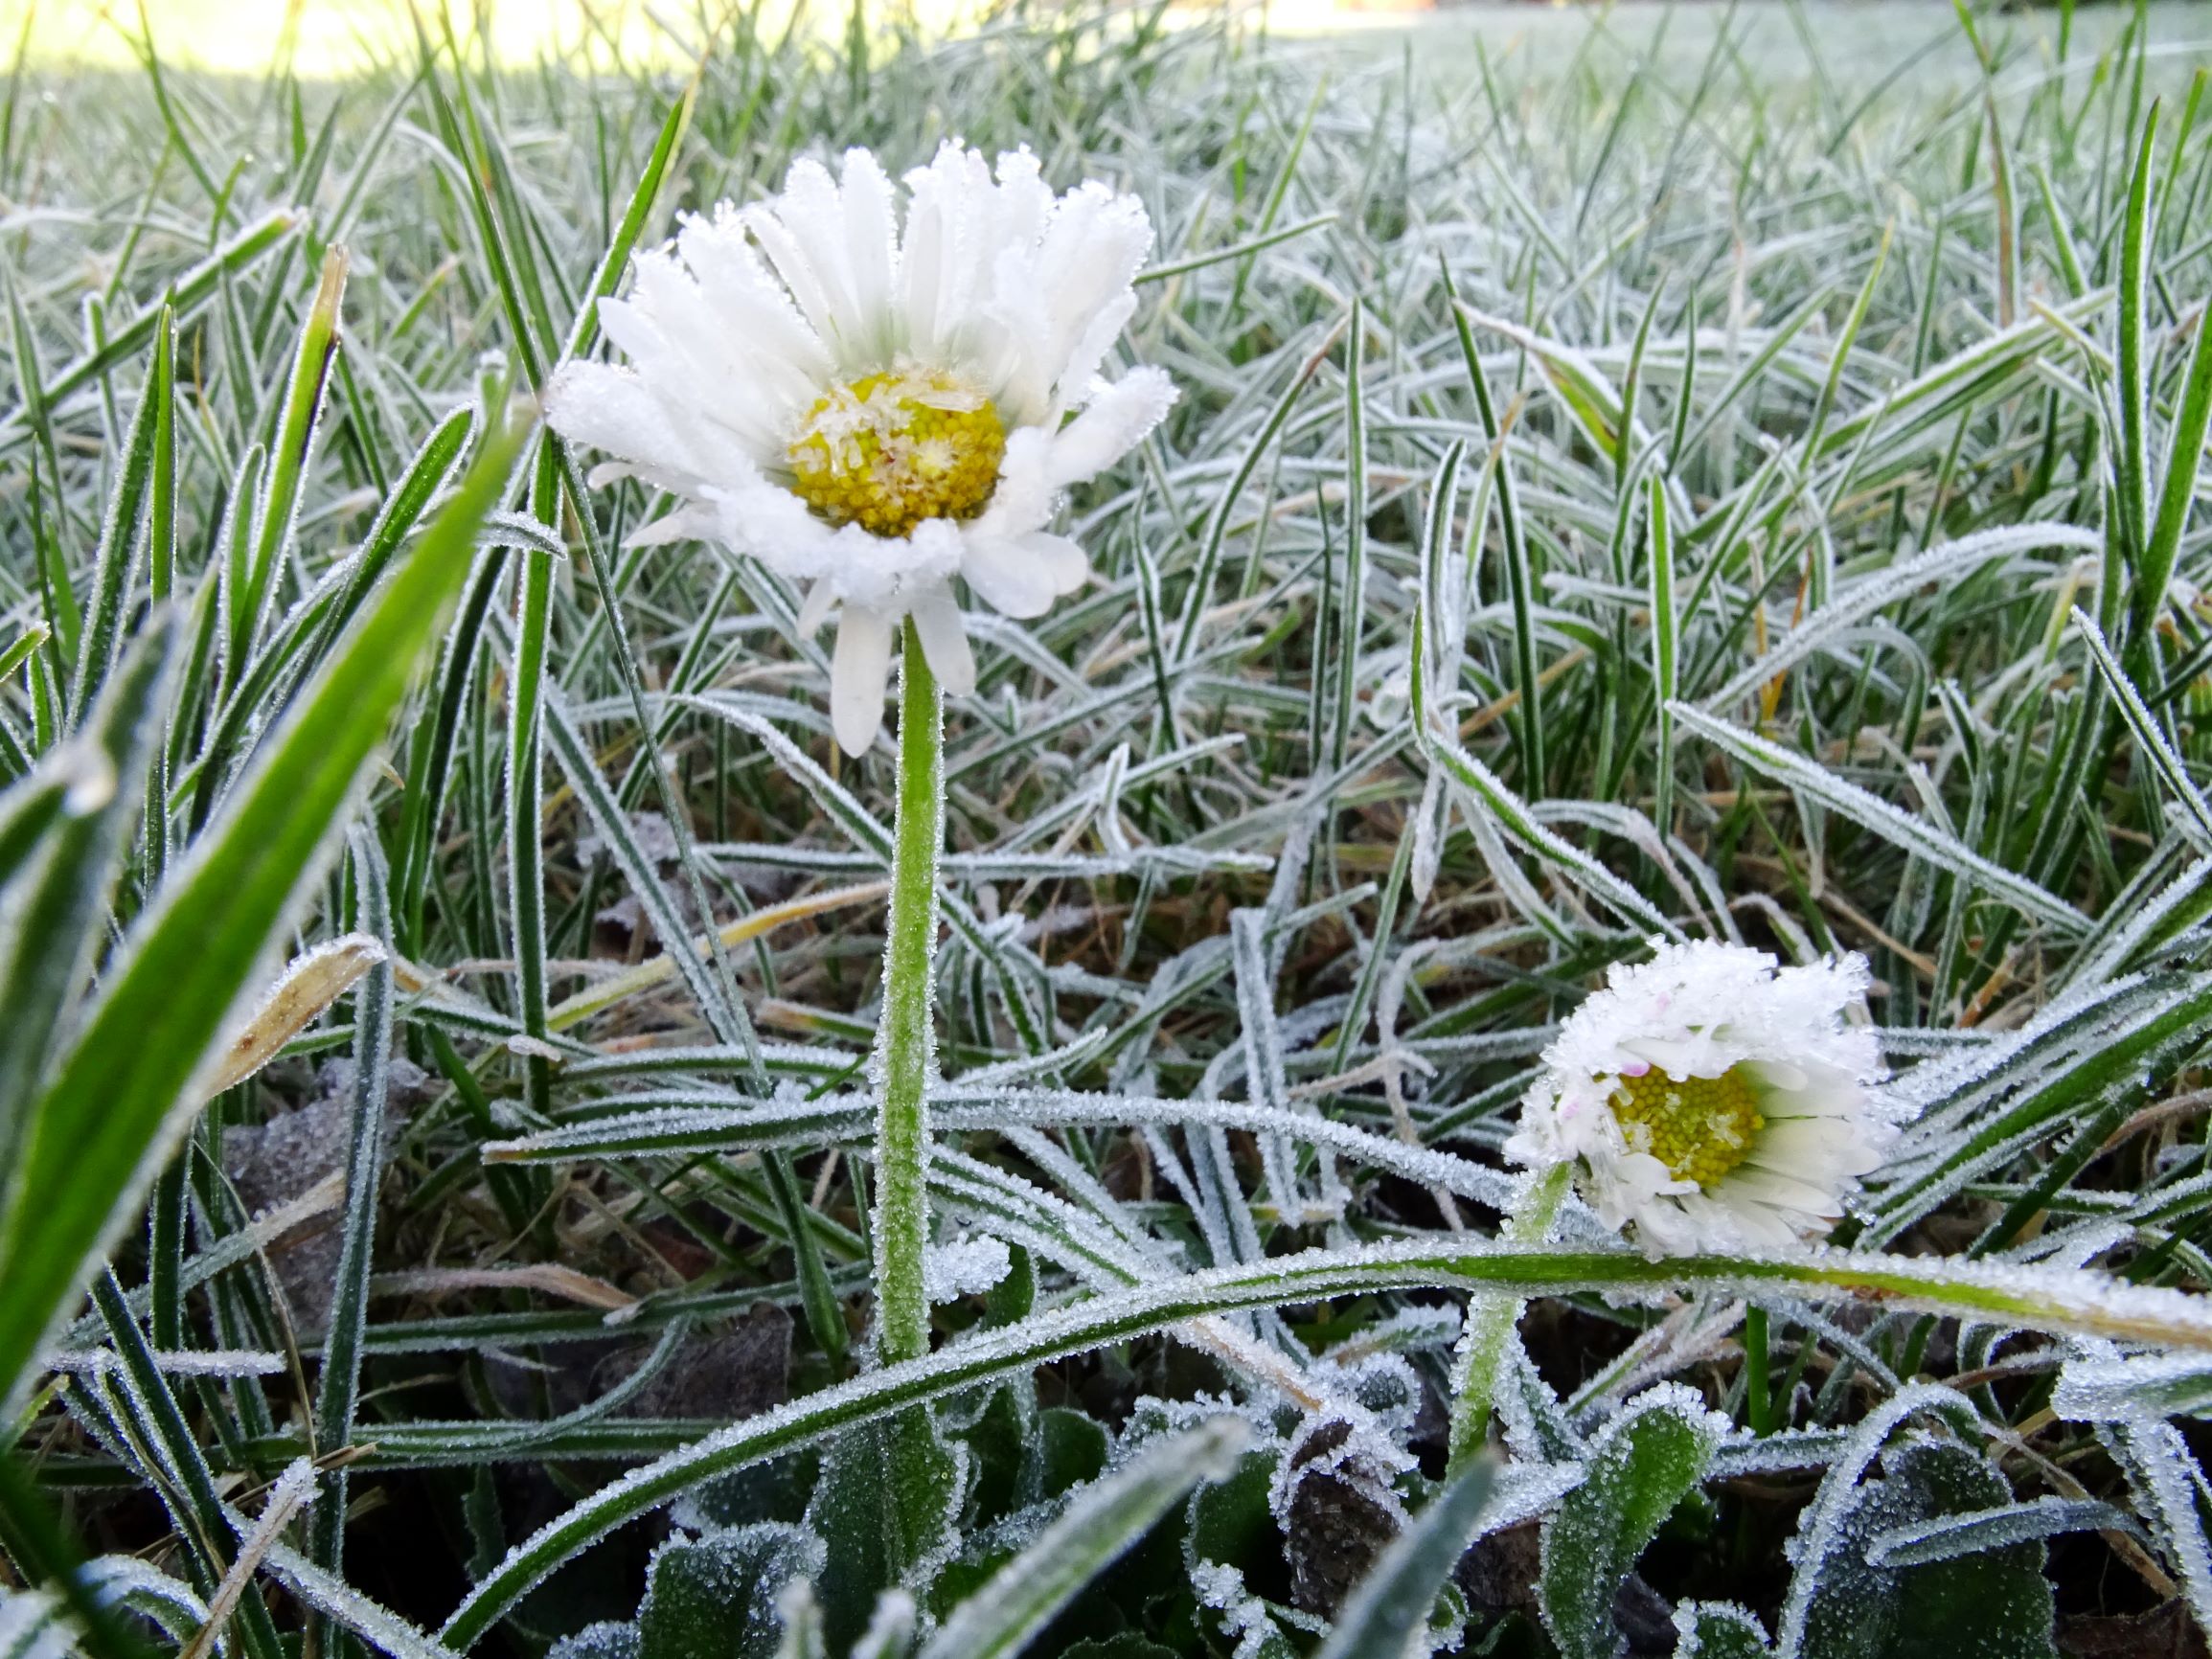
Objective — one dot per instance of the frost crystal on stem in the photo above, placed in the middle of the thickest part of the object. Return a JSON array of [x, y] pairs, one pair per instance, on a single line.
[[873, 402], [1710, 1100]]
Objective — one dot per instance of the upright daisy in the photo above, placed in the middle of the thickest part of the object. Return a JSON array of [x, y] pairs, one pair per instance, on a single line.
[[1711, 1099], [872, 403]]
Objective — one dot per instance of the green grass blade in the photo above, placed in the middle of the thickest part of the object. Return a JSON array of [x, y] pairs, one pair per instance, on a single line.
[[122, 1091]]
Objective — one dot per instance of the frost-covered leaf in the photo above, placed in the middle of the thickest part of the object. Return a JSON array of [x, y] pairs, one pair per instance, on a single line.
[[2169, 1487], [1719, 1630], [715, 1597], [2105, 1388], [885, 1508], [35, 1625], [1230, 1522], [611, 1639], [1098, 1524], [1994, 1604], [1068, 1448], [1642, 1464]]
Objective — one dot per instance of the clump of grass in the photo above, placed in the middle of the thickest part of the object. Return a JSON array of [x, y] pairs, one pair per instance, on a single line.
[[1649, 484]]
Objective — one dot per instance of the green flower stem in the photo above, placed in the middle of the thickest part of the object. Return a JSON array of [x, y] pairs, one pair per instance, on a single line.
[[901, 1221], [2061, 1301], [1757, 1404], [1491, 1320]]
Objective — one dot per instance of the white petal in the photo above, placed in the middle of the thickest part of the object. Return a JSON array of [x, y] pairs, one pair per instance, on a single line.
[[684, 524], [944, 636], [1064, 564], [860, 676], [814, 609], [870, 240], [1077, 379], [1025, 496], [800, 231], [1771, 1187], [1114, 424], [612, 409], [1007, 576]]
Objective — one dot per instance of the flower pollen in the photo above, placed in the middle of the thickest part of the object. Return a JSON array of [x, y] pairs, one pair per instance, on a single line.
[[1700, 1128], [891, 450]]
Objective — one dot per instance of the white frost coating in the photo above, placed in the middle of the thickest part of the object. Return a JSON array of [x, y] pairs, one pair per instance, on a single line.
[[126, 1580], [1345, 1441], [1684, 1337], [372, 1620], [1936, 1160], [1951, 1078], [2077, 1245], [1535, 1427], [1639, 831], [1691, 1617], [1524, 1492], [178, 1362], [1431, 824], [35, 1625], [2118, 952], [1265, 1085], [2101, 1387], [958, 1108], [1504, 868], [1412, 1329], [1707, 1010], [1244, 1614], [963, 1267], [890, 1626], [1793, 1448], [802, 1617], [2163, 1475], [1086, 1190], [1945, 1537]]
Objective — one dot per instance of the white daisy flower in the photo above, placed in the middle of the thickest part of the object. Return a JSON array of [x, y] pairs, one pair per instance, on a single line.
[[1713, 1100], [873, 402]]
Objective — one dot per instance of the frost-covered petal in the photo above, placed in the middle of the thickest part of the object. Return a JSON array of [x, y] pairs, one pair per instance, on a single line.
[[871, 248], [802, 231], [1709, 1099], [1115, 422], [615, 410]]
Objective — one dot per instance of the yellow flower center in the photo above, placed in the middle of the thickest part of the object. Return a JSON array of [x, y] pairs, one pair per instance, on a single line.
[[1700, 1128], [889, 451]]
